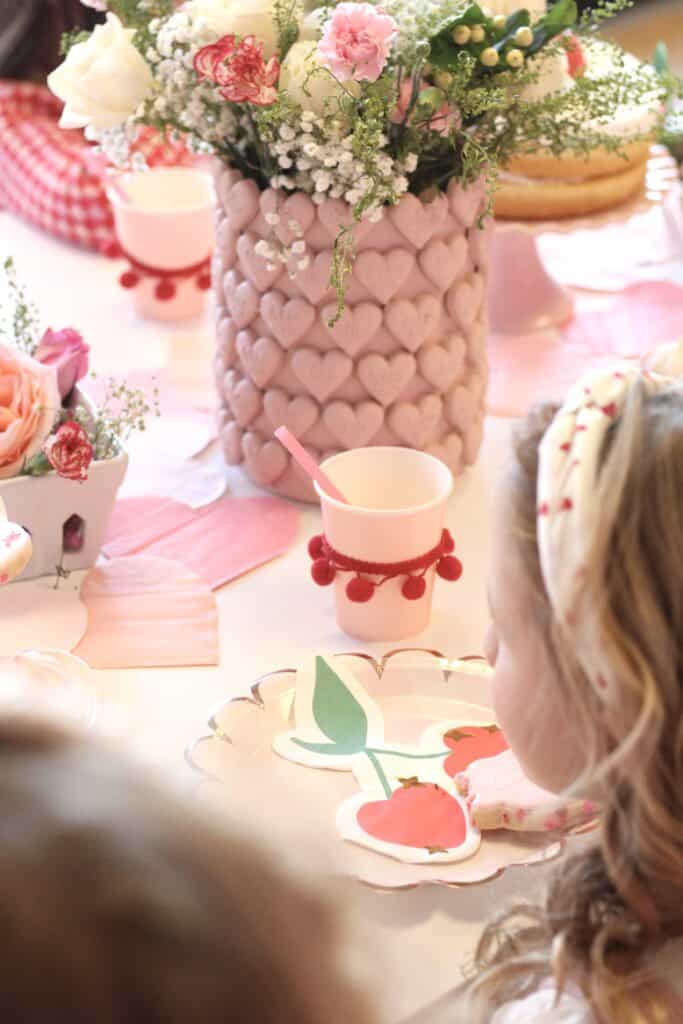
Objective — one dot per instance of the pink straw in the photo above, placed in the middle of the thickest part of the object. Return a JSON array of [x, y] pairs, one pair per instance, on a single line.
[[309, 465]]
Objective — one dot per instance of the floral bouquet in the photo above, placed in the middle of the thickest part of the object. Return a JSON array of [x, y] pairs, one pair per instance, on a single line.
[[357, 148], [351, 101], [50, 430]]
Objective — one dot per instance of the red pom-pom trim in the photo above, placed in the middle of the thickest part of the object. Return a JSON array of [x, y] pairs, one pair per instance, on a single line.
[[322, 572], [315, 546], [112, 250], [449, 568], [129, 279], [447, 542], [414, 588], [165, 291], [359, 590], [204, 282]]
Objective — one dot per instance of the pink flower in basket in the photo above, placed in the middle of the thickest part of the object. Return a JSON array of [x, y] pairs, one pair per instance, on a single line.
[[356, 41], [66, 351], [69, 451], [29, 402], [240, 70]]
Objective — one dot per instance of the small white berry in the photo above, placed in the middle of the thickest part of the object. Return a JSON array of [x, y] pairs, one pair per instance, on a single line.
[[478, 34], [524, 36], [489, 57], [461, 35], [514, 58]]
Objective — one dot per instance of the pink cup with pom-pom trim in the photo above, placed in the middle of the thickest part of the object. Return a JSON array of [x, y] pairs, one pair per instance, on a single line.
[[383, 550], [165, 230]]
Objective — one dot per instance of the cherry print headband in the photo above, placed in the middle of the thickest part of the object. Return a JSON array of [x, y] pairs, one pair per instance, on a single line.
[[567, 511]]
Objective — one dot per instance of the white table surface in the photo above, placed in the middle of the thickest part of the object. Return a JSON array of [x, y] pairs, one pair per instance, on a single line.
[[274, 615]]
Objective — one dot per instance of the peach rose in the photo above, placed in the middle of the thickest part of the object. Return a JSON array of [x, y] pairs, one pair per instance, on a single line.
[[29, 402]]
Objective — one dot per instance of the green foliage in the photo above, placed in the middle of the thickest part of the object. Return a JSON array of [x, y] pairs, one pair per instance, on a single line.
[[122, 411], [70, 39], [285, 14], [19, 320]]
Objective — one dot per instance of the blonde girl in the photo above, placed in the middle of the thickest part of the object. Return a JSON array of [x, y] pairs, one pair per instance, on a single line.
[[586, 598]]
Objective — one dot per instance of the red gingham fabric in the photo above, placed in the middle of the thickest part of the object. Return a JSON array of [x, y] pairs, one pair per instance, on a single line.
[[50, 176]]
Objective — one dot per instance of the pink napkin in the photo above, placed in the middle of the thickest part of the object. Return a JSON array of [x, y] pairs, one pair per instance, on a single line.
[[543, 365], [147, 613], [218, 542]]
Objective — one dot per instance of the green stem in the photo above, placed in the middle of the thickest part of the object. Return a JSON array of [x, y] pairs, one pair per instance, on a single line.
[[401, 753], [380, 773]]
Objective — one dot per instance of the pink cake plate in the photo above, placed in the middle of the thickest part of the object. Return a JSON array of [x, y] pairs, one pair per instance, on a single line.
[[523, 296], [414, 688]]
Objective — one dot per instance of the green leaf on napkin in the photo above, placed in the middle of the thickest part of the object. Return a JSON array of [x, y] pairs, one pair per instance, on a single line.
[[337, 712]]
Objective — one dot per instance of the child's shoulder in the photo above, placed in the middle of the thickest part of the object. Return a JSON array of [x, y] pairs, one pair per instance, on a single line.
[[544, 1007]]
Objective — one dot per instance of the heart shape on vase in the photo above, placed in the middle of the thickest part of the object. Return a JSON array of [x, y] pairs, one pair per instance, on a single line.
[[241, 298], [297, 214], [418, 221], [255, 267], [298, 414], [226, 243], [334, 214], [467, 203], [321, 374], [386, 377], [261, 358], [464, 300], [472, 439], [418, 814], [225, 180], [356, 326], [288, 319], [441, 365], [226, 336], [461, 407], [414, 321], [242, 396], [314, 281], [443, 262], [383, 273], [417, 423], [449, 450], [241, 204], [230, 437], [266, 461], [353, 426]]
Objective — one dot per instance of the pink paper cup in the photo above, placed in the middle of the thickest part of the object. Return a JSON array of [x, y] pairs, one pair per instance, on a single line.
[[166, 223], [396, 513]]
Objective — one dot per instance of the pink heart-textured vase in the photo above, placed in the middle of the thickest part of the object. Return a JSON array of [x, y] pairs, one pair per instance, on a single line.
[[406, 363]]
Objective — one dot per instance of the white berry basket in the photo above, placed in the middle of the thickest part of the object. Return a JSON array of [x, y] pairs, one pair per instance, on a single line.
[[43, 504]]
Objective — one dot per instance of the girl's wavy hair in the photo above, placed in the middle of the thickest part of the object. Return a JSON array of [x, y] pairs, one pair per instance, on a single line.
[[612, 903]]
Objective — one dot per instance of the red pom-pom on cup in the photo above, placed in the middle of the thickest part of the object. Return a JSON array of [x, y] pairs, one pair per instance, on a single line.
[[447, 542], [165, 291], [414, 588], [204, 282], [129, 279], [359, 590], [316, 546], [322, 572], [449, 568]]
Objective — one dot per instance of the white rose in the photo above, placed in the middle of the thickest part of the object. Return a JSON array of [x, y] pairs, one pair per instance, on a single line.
[[307, 82], [312, 25], [238, 17], [103, 80]]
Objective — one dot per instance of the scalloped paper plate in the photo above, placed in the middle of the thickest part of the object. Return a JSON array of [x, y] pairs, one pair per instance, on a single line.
[[414, 689]]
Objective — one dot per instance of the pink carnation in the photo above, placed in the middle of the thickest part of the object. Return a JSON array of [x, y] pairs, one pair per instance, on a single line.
[[356, 42], [239, 69]]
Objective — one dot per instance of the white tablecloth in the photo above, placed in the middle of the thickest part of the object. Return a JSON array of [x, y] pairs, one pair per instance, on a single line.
[[273, 616]]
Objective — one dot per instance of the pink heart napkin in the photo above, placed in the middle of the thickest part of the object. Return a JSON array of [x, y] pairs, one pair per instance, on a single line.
[[218, 542], [147, 613], [542, 366]]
